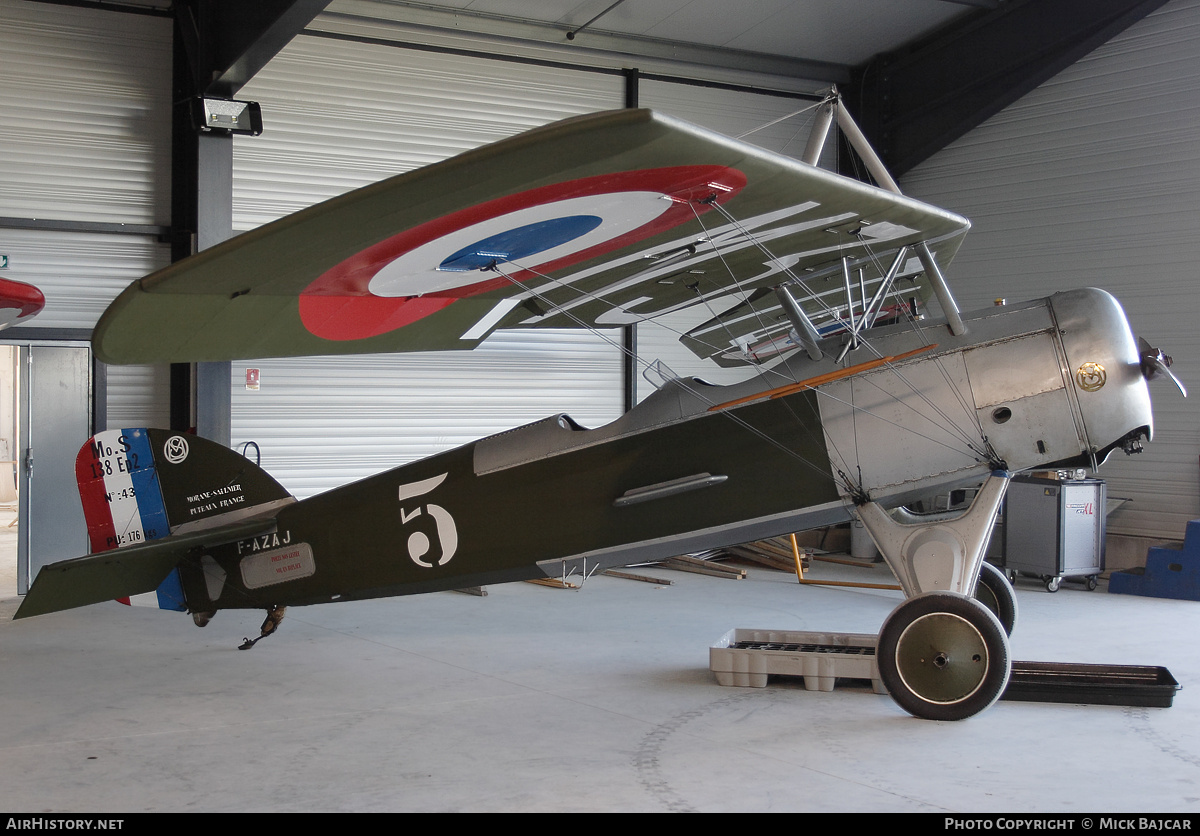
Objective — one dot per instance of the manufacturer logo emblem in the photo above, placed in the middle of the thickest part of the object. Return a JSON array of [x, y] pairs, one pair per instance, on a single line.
[[1091, 377], [176, 449], [432, 537]]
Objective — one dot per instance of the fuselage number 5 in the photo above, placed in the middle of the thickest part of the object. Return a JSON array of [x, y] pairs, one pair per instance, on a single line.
[[430, 535]]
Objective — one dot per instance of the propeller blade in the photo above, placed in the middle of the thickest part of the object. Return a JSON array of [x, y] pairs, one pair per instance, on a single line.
[[1155, 364]]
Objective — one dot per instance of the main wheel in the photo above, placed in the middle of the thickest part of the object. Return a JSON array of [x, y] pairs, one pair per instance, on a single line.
[[995, 592], [943, 656]]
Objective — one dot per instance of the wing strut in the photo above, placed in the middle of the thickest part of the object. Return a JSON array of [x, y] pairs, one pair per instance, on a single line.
[[941, 290], [804, 325], [875, 165], [876, 305], [860, 144], [820, 130], [849, 299]]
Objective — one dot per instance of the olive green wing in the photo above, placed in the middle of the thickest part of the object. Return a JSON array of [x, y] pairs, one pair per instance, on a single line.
[[594, 221]]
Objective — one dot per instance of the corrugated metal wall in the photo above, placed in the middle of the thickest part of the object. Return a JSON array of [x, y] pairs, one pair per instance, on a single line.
[[139, 396], [86, 131], [340, 115], [86, 136], [79, 272], [1094, 180]]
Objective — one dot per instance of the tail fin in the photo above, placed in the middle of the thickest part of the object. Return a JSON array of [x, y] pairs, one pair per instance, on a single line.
[[139, 485]]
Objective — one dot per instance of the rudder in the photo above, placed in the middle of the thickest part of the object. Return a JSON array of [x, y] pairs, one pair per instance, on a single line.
[[138, 485]]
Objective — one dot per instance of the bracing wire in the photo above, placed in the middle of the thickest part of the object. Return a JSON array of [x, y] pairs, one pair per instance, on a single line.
[[787, 271], [949, 423], [843, 462], [955, 389], [702, 397], [765, 125], [758, 317], [955, 430], [863, 410]]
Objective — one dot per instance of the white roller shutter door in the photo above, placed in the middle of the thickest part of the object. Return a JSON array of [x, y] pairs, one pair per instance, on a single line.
[[87, 108], [139, 396], [86, 104]]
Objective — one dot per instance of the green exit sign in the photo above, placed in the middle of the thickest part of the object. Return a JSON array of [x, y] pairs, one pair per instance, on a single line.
[[3, 262]]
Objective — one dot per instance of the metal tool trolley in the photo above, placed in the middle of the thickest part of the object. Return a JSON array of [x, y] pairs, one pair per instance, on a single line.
[[1054, 528]]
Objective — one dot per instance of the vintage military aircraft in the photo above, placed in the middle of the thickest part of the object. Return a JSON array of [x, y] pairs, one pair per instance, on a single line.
[[598, 221]]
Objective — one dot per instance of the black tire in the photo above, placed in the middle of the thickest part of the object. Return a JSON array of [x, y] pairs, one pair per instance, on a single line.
[[1053, 584], [995, 592], [1091, 582], [943, 656]]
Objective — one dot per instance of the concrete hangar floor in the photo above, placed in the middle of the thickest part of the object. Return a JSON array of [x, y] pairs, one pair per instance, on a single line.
[[537, 699]]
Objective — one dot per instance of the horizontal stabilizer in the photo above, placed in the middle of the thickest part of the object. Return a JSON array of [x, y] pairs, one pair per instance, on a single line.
[[124, 572]]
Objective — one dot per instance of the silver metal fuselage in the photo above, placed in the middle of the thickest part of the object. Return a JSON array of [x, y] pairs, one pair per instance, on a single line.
[[1047, 382], [1054, 380]]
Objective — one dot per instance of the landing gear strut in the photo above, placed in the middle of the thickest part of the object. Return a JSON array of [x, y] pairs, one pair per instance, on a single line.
[[942, 654], [995, 592]]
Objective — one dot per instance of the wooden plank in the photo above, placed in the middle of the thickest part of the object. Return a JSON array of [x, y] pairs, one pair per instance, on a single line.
[[631, 576], [674, 563], [556, 583]]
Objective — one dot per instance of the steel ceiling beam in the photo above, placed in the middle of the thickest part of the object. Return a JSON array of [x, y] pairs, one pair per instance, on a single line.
[[915, 101], [421, 18], [219, 46], [228, 41], [979, 4]]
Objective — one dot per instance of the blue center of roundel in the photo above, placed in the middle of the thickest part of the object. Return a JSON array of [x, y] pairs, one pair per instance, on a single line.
[[521, 242]]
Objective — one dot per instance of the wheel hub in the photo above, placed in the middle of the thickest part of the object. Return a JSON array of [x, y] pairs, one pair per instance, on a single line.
[[942, 658]]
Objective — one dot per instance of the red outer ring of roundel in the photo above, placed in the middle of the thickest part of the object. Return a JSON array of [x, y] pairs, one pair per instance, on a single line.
[[340, 306]]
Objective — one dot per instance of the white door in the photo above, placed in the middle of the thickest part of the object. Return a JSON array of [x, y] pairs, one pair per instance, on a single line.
[[55, 422]]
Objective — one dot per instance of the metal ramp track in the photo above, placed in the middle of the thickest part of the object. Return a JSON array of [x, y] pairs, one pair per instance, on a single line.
[[747, 657]]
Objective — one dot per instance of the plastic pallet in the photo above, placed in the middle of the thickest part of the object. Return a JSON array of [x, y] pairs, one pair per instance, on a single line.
[[747, 657]]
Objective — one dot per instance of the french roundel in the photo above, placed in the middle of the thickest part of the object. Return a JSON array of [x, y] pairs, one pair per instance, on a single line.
[[421, 270]]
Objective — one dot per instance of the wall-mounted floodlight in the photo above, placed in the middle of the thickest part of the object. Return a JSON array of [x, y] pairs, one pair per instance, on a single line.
[[227, 115]]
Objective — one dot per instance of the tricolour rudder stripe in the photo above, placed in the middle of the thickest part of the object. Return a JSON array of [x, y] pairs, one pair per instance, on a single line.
[[123, 502]]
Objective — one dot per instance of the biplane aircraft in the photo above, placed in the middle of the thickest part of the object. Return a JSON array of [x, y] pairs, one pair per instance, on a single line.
[[594, 222]]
